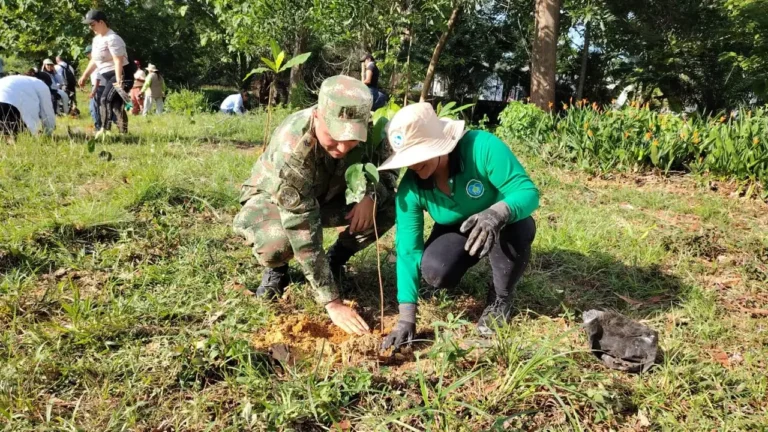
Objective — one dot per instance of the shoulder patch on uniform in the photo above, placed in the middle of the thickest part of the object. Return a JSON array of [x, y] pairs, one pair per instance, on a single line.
[[288, 197]]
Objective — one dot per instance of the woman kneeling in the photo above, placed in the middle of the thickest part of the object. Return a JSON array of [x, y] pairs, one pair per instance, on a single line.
[[481, 200]]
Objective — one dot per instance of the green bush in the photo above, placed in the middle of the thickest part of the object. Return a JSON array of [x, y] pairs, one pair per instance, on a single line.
[[635, 137], [525, 123], [186, 101]]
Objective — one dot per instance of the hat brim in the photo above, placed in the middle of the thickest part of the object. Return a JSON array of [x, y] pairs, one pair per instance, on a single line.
[[424, 151], [88, 20]]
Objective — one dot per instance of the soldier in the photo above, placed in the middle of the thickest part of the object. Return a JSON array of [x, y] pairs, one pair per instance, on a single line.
[[297, 187]]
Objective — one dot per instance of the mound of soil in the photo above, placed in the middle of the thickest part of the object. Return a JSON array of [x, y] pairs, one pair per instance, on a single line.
[[306, 336]]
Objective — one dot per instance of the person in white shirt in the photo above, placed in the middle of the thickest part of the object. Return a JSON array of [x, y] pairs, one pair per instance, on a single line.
[[25, 104], [235, 104], [110, 58]]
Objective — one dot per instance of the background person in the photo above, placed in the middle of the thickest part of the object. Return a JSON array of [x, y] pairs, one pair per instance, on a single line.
[[97, 88], [25, 103], [235, 104], [66, 75], [154, 89], [481, 200], [371, 79], [110, 58], [49, 69], [137, 98]]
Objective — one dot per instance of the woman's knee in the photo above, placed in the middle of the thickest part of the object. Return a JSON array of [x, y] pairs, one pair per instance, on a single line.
[[437, 273], [519, 234]]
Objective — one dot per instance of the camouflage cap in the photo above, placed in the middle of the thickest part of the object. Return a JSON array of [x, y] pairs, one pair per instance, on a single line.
[[345, 105]]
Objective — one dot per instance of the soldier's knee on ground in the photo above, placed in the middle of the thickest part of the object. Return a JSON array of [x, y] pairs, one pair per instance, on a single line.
[[272, 252]]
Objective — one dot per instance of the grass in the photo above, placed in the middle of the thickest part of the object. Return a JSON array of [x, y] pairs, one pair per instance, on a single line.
[[120, 307]]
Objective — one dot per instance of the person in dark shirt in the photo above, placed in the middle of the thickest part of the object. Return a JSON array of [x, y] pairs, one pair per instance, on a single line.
[[371, 79]]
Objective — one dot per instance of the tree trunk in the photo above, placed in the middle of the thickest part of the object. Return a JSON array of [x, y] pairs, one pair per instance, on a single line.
[[438, 50], [297, 72], [584, 59], [408, 69], [544, 62]]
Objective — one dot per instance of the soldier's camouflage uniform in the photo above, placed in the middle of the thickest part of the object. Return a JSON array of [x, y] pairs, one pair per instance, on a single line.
[[296, 189]]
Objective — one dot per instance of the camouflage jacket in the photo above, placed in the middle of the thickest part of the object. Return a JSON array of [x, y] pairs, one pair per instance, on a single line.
[[299, 176]]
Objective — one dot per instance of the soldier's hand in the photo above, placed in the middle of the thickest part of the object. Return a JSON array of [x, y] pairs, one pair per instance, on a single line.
[[346, 318], [361, 216]]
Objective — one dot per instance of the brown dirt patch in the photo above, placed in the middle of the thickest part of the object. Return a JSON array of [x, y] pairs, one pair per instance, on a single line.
[[309, 337]]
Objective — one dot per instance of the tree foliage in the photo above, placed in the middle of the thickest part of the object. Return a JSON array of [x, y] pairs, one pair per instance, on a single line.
[[709, 55]]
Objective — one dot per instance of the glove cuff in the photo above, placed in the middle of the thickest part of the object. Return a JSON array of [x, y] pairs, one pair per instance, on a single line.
[[503, 210], [407, 312]]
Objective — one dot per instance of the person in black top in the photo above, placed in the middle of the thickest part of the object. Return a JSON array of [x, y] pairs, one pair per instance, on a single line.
[[371, 79]]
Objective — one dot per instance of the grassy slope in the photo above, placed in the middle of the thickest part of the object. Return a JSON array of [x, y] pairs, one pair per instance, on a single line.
[[117, 309]]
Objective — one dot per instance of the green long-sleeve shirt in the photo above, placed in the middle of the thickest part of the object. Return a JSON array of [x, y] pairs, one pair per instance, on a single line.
[[484, 171]]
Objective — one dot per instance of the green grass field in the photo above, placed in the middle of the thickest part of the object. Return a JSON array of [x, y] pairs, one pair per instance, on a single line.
[[122, 304]]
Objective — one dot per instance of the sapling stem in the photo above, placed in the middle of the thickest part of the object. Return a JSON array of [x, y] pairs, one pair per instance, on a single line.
[[378, 265]]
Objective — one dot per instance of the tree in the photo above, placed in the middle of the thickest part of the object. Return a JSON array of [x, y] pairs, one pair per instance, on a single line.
[[439, 49], [544, 61], [278, 63]]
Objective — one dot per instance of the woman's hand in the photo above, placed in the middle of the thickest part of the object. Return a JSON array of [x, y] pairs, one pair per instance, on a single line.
[[81, 81], [361, 216], [346, 318], [484, 228], [403, 332]]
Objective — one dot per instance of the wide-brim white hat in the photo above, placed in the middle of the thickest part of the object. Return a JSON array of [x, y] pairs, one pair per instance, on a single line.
[[417, 135], [151, 68]]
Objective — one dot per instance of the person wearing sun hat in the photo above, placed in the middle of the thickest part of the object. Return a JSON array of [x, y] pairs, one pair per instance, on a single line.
[[297, 188], [154, 90], [481, 200]]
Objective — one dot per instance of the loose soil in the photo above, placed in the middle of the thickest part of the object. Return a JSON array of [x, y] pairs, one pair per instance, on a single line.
[[306, 337]]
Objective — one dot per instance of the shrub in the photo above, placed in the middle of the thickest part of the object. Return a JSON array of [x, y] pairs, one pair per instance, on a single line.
[[635, 137], [186, 101], [525, 123]]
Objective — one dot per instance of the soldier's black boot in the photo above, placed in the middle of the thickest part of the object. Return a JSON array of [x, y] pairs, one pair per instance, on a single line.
[[338, 256], [496, 313], [273, 282]]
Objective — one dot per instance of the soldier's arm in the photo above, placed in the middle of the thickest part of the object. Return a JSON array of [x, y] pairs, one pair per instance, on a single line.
[[300, 217]]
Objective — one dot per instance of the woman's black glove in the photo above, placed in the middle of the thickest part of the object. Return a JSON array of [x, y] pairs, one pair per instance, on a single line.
[[404, 330], [485, 227]]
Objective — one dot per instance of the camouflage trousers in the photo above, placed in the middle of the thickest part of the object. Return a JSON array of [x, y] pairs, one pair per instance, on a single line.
[[260, 224]]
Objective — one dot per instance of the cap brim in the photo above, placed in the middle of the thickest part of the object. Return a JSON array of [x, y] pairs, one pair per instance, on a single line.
[[88, 21], [453, 131]]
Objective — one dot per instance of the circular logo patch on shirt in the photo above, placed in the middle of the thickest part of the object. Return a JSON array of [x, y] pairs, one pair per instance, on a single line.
[[288, 197], [475, 188], [398, 140]]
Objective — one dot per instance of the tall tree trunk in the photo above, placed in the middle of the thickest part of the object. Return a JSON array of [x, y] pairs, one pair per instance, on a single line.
[[299, 46], [544, 62], [438, 50], [584, 59], [407, 91]]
